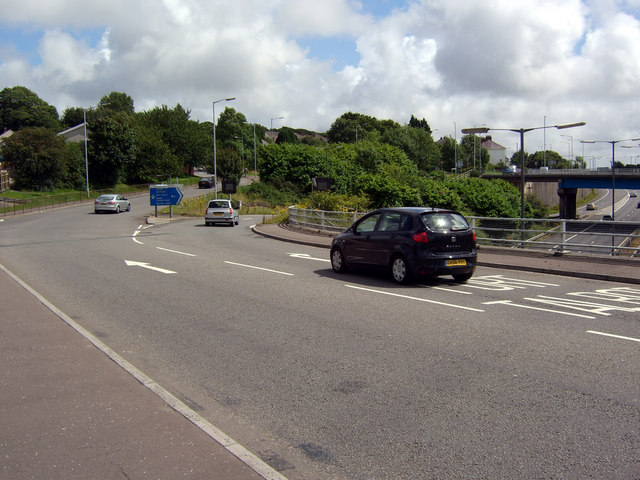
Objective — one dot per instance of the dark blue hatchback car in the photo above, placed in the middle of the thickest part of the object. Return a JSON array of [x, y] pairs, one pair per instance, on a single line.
[[410, 242]]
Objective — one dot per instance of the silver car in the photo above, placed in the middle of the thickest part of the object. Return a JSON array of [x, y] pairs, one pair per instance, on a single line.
[[221, 211], [111, 202]]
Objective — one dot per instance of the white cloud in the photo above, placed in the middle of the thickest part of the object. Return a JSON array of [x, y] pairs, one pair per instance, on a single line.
[[499, 62]]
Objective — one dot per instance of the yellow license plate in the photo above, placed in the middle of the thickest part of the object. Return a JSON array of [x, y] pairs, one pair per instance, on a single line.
[[456, 263], [218, 214]]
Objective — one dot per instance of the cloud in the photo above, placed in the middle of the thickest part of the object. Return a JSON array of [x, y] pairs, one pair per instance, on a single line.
[[500, 63]]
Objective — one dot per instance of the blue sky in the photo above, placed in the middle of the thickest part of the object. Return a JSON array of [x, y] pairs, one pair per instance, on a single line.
[[457, 63]]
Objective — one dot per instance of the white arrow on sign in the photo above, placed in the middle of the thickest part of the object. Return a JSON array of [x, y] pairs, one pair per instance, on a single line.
[[147, 266]]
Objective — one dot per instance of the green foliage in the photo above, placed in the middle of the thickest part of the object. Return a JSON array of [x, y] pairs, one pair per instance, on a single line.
[[278, 193], [112, 146], [287, 135], [296, 163], [338, 202], [437, 194], [37, 158], [20, 107], [117, 102], [187, 140], [154, 159], [385, 192], [488, 198], [350, 125], [229, 164], [75, 172]]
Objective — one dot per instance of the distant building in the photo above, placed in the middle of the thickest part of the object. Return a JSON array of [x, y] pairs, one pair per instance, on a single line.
[[74, 134], [497, 153]]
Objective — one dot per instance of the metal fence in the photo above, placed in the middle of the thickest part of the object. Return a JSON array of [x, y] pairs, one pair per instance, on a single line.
[[558, 236], [17, 206]]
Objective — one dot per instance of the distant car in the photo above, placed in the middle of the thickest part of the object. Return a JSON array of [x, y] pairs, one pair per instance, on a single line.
[[111, 203], [591, 206], [511, 169], [206, 182], [633, 194], [607, 218], [409, 242], [221, 211]]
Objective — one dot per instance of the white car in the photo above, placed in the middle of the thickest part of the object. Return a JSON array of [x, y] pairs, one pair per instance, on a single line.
[[111, 202], [221, 211]]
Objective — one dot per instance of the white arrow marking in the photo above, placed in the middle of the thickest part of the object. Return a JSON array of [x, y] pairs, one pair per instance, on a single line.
[[306, 256], [147, 266]]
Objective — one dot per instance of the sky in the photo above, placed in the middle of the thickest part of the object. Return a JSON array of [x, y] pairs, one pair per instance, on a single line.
[[502, 64]]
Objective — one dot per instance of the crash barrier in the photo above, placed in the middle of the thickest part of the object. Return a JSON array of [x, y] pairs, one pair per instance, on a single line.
[[560, 236]]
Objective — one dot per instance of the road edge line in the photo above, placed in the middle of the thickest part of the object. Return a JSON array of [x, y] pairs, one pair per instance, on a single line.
[[233, 447]]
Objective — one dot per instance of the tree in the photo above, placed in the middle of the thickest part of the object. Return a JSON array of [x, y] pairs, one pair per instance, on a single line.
[[37, 158], [350, 127], [112, 146], [153, 160], [20, 107], [421, 124], [287, 135], [117, 102], [229, 164]]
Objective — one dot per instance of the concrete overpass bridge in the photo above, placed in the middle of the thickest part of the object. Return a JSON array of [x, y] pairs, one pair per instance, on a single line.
[[569, 181]]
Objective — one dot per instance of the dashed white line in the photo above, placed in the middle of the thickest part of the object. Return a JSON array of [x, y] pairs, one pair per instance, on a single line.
[[176, 251], [259, 268], [510, 303]]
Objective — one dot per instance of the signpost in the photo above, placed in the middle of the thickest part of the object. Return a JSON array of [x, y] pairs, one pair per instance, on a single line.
[[162, 195]]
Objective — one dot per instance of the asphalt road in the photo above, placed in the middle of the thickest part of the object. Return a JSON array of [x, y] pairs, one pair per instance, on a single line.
[[513, 375]]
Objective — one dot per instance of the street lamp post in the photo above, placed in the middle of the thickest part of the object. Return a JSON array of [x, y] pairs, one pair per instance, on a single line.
[[275, 118], [215, 164], [255, 166], [86, 157], [613, 168], [521, 131]]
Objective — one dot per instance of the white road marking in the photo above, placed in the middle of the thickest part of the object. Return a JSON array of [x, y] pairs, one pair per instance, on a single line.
[[131, 263], [614, 336], [449, 290], [306, 256], [176, 251], [414, 298], [259, 268], [510, 303], [133, 237], [244, 455]]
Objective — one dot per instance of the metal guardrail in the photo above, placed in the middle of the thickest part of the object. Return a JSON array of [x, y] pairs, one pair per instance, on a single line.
[[559, 236]]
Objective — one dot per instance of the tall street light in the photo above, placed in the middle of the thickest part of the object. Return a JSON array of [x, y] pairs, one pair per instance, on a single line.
[[215, 165], [613, 169], [86, 157], [521, 131], [275, 118]]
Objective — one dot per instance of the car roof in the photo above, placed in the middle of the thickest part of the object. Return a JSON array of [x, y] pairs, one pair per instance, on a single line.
[[416, 210]]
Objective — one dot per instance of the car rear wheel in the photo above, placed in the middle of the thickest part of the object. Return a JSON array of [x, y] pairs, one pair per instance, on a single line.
[[462, 277], [337, 261], [400, 270], [129, 208], [118, 209]]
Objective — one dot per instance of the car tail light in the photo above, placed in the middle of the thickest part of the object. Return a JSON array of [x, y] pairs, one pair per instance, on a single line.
[[474, 236], [230, 211], [421, 237]]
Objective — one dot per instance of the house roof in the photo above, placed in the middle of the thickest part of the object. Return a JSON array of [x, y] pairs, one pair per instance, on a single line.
[[74, 134]]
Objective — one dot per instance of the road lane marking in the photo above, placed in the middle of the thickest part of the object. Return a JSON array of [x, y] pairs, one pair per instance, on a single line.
[[450, 290], [131, 263], [306, 256], [133, 237], [228, 443], [176, 251], [614, 336], [414, 298], [259, 268], [511, 304]]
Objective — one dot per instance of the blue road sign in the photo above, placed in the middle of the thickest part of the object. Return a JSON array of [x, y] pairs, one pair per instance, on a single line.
[[162, 194]]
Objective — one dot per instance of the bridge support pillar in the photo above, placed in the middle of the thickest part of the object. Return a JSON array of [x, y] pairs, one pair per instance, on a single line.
[[568, 202]]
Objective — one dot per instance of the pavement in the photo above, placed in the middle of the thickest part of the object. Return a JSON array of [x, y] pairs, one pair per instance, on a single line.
[[73, 408]]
